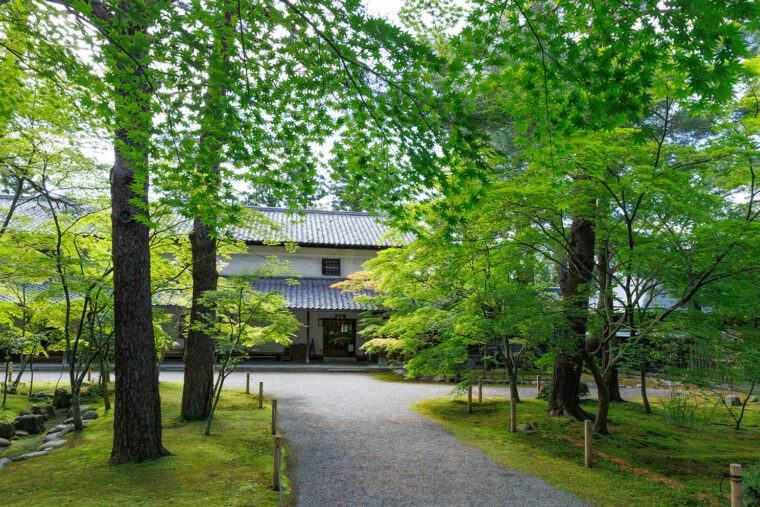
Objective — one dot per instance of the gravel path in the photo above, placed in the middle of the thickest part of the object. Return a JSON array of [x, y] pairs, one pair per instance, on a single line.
[[353, 441]]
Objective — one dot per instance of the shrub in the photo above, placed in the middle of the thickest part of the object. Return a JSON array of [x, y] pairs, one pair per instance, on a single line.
[[680, 410], [583, 392], [751, 486]]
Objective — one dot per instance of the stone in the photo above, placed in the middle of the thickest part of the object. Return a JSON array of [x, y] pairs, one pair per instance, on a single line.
[[7, 429], [61, 398], [30, 423], [40, 394], [48, 409], [733, 401], [4, 442], [65, 428], [51, 444], [426, 377], [438, 379], [36, 409], [52, 436], [4, 462], [21, 434], [754, 399], [487, 381], [528, 427], [31, 455], [89, 415], [82, 410], [26, 411]]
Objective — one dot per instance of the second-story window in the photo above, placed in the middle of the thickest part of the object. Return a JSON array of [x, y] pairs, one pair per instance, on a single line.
[[331, 267]]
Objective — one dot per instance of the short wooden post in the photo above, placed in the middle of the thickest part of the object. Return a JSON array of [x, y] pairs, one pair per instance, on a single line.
[[274, 417], [587, 439], [480, 390], [538, 385], [10, 372], [261, 394], [512, 415], [736, 485], [469, 399], [89, 374], [248, 383], [276, 468]]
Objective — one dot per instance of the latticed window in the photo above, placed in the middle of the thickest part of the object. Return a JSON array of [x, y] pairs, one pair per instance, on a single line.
[[331, 267]]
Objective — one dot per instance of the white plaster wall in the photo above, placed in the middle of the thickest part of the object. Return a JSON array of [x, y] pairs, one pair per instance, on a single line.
[[306, 261]]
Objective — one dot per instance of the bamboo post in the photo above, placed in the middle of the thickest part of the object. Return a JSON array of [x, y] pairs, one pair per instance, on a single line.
[[469, 399], [276, 467], [248, 383], [480, 390], [736, 485], [274, 417], [512, 415], [587, 439], [261, 394], [538, 385]]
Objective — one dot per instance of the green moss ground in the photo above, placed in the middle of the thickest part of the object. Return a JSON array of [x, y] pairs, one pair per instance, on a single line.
[[231, 467], [620, 476]]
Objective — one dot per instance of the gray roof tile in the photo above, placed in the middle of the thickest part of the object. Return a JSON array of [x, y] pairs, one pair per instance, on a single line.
[[312, 294]]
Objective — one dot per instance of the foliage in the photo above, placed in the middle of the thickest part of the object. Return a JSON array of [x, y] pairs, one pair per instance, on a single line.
[[681, 411]]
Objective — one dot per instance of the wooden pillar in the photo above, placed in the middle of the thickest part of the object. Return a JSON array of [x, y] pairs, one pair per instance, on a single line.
[[261, 394], [276, 467], [89, 374], [538, 385], [736, 485], [274, 417], [512, 415], [480, 390], [469, 399], [587, 441], [248, 383], [308, 334]]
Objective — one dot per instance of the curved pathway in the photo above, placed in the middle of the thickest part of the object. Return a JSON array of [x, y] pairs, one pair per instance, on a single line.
[[354, 441]]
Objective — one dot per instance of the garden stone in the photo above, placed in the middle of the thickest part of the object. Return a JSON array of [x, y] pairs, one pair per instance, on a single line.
[[61, 398], [438, 379], [524, 427], [52, 444], [21, 434], [26, 411], [66, 428], [733, 401], [426, 377], [7, 429], [90, 414], [4, 462], [4, 442], [82, 410], [53, 436], [31, 455], [30, 423], [48, 409], [754, 399], [41, 394], [487, 381]]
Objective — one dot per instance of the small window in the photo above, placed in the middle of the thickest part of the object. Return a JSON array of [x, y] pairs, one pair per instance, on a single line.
[[331, 267]]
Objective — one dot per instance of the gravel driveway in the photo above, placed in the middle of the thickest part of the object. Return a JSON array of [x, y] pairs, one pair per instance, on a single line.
[[354, 441]]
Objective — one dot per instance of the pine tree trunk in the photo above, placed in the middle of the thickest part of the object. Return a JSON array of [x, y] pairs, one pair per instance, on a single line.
[[643, 378], [573, 281], [198, 390], [137, 416]]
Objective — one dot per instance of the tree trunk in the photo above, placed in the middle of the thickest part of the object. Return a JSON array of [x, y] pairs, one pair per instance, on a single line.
[[24, 361], [644, 397], [574, 279], [104, 378], [75, 413], [198, 390], [137, 417], [511, 372]]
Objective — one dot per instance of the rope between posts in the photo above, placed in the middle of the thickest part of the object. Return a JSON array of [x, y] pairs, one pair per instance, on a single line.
[[723, 475]]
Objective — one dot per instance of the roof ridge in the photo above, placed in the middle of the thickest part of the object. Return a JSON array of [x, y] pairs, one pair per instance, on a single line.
[[313, 211]]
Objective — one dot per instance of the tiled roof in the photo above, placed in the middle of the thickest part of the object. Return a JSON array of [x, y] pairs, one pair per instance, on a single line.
[[348, 229], [321, 228], [311, 294]]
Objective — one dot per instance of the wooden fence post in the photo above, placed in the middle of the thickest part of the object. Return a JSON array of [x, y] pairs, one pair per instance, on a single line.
[[469, 399], [480, 390], [512, 415], [261, 394], [276, 467], [274, 417], [587, 440], [89, 374], [9, 378], [736, 485], [248, 383], [538, 385]]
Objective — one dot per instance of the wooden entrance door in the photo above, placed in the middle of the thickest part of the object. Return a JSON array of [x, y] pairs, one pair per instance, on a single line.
[[340, 337]]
